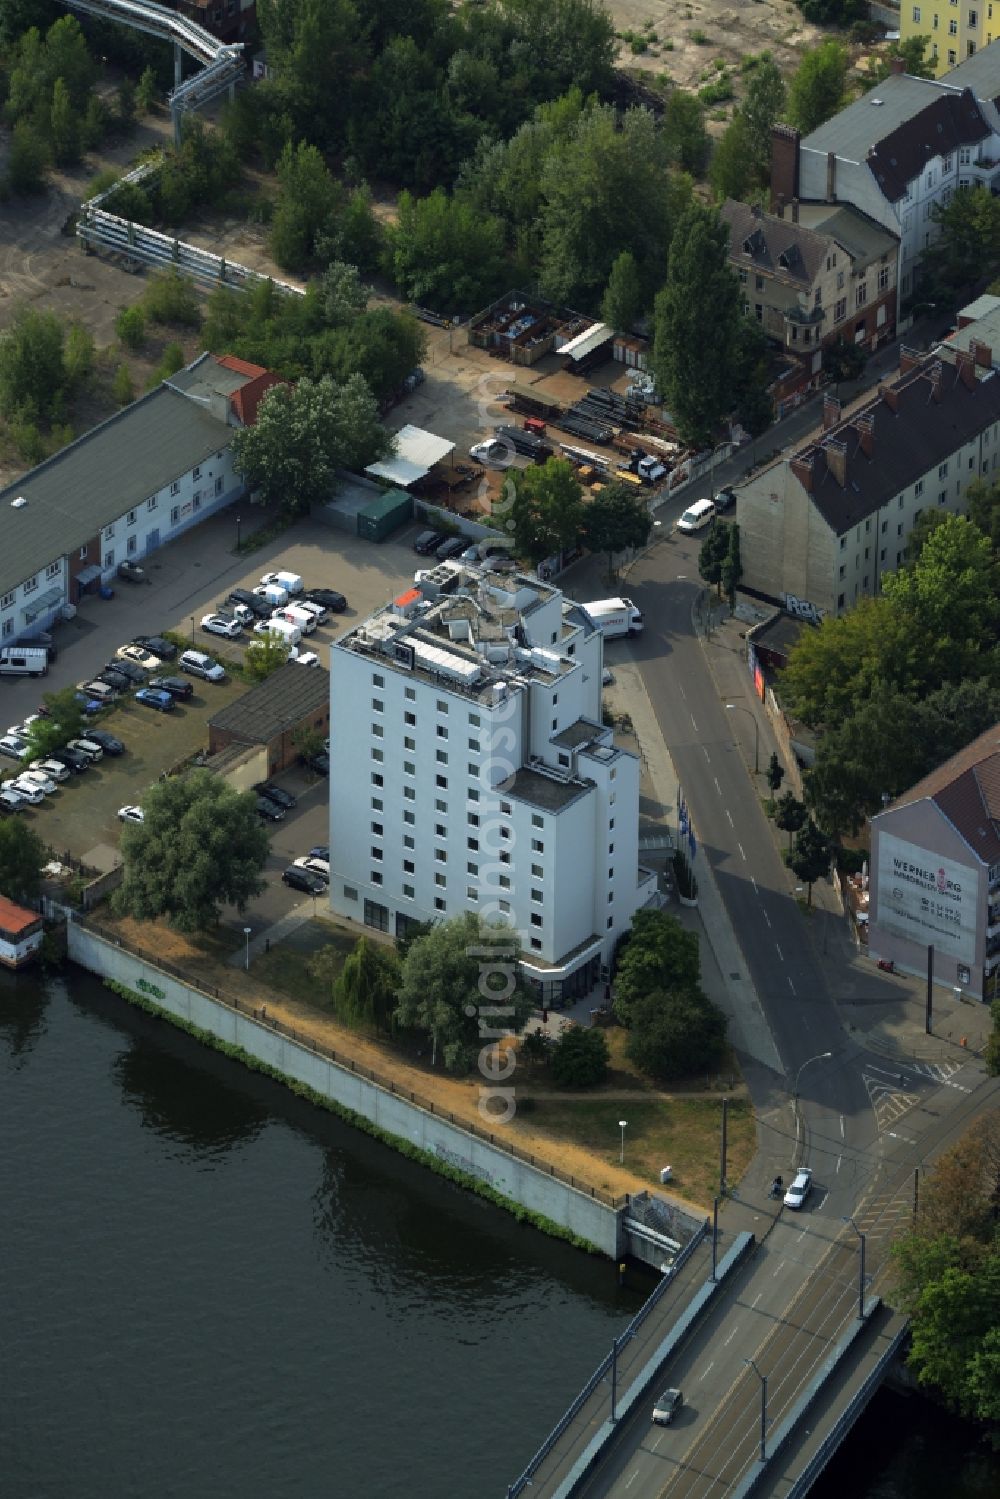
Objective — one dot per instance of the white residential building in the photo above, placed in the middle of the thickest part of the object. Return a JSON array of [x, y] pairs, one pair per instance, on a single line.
[[470, 771]]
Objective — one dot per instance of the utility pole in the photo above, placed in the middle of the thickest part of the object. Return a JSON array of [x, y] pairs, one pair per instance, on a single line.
[[715, 1236], [722, 1152]]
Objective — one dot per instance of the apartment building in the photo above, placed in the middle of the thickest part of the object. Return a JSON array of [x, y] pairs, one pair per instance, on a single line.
[[957, 29], [470, 771], [935, 878], [811, 287], [154, 469], [824, 525], [902, 147]]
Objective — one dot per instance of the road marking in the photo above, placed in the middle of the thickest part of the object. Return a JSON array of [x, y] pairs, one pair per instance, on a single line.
[[839, 1159], [822, 1202], [717, 786], [893, 1075], [740, 847], [778, 1271], [730, 1338], [841, 1126], [791, 986], [801, 1236], [630, 1481], [905, 1138], [693, 724], [755, 1300], [707, 1371], [683, 693], [659, 1439], [730, 816], [780, 953], [765, 915], [754, 884], [707, 755]]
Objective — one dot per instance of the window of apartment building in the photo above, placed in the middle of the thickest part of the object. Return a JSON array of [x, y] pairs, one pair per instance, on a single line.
[[861, 294], [840, 310], [6, 629], [840, 601], [475, 720], [758, 312], [376, 852], [758, 282], [537, 846], [409, 794], [537, 872], [410, 718], [408, 866], [377, 804], [795, 334], [970, 49], [881, 555], [409, 841], [843, 542], [472, 819], [843, 570], [109, 559], [377, 829], [439, 904], [442, 706], [441, 881], [536, 945], [441, 756], [378, 731], [965, 156], [409, 768], [947, 162], [818, 297], [442, 782], [743, 275], [175, 514], [918, 488], [536, 920], [377, 681], [439, 805], [503, 856], [350, 892], [408, 891], [175, 487], [472, 844], [151, 502], [377, 778], [899, 529], [109, 531], [130, 518], [408, 743], [378, 705], [952, 60], [883, 277], [410, 818], [503, 905], [442, 732], [375, 877], [471, 893], [953, 28], [942, 470], [536, 821], [55, 568], [410, 693], [930, 178], [916, 13], [474, 746], [132, 547], [29, 585], [840, 280], [378, 756]]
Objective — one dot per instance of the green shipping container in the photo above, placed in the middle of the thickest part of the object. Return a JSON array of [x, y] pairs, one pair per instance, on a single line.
[[386, 514]]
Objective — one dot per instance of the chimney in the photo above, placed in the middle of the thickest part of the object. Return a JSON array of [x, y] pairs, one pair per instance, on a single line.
[[966, 365], [831, 176], [831, 412], [795, 210], [784, 163], [890, 395], [802, 467], [221, 409], [836, 460], [897, 65], [981, 353], [909, 359], [865, 428]]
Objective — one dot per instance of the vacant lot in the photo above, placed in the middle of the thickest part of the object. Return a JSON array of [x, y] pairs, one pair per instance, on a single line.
[[682, 38]]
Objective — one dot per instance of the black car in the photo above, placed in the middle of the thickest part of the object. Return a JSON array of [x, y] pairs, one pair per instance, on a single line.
[[269, 811], [127, 669], [276, 794], [165, 649], [327, 598], [252, 601], [131, 572], [319, 763], [117, 680], [73, 760], [724, 500], [303, 879], [178, 687], [109, 744], [427, 542], [451, 548]]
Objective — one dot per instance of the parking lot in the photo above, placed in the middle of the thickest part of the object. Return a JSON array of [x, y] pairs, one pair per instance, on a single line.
[[187, 579]]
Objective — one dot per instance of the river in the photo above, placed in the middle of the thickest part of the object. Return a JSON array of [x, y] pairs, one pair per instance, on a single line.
[[210, 1286]]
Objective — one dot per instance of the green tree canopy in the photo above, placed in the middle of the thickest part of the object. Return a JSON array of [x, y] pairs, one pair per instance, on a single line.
[[675, 1034], [912, 50], [201, 845], [579, 1058], [967, 246], [63, 720], [305, 433], [264, 654], [624, 299], [698, 317], [22, 858], [762, 106], [732, 565], [614, 520], [712, 554], [307, 200], [733, 171], [32, 373], [659, 954], [684, 126], [810, 856], [790, 814], [444, 254], [546, 514], [817, 88], [364, 992]]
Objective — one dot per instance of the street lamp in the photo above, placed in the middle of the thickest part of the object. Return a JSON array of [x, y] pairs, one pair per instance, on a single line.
[[192, 627], [823, 1056], [763, 1407], [738, 708], [621, 1125], [861, 1273], [237, 533], [246, 933]]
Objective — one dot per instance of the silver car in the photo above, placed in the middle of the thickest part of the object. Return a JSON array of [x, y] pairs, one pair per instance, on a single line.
[[667, 1407], [800, 1188]]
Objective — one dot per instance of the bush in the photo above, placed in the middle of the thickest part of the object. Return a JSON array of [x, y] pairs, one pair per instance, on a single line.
[[122, 388], [675, 1034], [170, 363], [580, 1058], [130, 325], [170, 299]]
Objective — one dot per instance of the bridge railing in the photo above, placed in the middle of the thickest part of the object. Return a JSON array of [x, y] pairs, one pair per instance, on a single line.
[[604, 1367]]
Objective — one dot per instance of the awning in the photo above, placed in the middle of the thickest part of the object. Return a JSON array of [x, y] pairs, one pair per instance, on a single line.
[[43, 603], [88, 575]]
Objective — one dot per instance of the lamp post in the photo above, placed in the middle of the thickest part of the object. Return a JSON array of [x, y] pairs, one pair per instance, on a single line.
[[711, 468], [861, 1272], [192, 628], [237, 533], [246, 933], [621, 1125], [822, 1056], [763, 1407], [738, 708]]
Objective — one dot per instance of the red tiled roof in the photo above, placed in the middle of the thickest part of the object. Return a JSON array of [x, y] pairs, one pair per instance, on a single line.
[[247, 399], [240, 366], [15, 918]]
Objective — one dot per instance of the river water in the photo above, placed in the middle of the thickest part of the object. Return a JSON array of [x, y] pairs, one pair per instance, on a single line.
[[211, 1287]]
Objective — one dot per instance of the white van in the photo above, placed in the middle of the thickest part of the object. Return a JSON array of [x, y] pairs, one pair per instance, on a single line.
[[19, 661], [698, 516], [291, 634], [301, 618], [290, 582]]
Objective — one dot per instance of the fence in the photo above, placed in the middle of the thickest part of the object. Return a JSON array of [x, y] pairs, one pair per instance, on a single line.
[[340, 1059], [99, 888]]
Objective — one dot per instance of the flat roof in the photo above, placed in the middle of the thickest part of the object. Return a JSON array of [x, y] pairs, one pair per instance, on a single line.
[[278, 703], [583, 731], [547, 793], [416, 453], [586, 342]]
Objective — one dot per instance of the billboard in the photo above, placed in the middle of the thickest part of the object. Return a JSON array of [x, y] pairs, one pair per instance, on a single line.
[[927, 899]]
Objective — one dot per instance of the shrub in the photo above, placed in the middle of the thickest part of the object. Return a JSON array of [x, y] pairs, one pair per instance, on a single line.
[[700, 38], [580, 1058], [675, 1034], [122, 388], [130, 325], [170, 299]]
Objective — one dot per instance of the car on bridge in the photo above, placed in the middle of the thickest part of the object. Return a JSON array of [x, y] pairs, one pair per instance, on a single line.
[[800, 1188], [667, 1407]]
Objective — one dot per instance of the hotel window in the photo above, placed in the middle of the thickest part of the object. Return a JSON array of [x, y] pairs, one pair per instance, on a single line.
[[410, 718], [442, 707], [408, 743], [375, 878], [408, 891], [408, 866], [410, 693], [151, 502], [377, 829], [439, 904], [471, 868], [378, 731], [378, 706], [474, 720], [409, 768], [441, 781], [377, 681], [442, 732], [471, 893], [377, 778], [377, 804], [537, 895], [441, 881], [440, 806], [537, 871], [409, 841], [410, 818], [536, 821], [378, 756], [376, 853], [537, 846], [536, 920], [441, 757], [536, 944], [503, 881]]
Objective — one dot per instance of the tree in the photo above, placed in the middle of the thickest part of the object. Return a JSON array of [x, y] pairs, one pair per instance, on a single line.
[[732, 566], [753, 407], [624, 301], [967, 246], [130, 325], [364, 992], [926, 522], [844, 361], [445, 255], [830, 668], [790, 814], [912, 50], [64, 126], [817, 87], [171, 360], [675, 1034], [446, 985], [121, 386], [614, 520], [579, 1059], [343, 294], [170, 298], [546, 514], [264, 654], [78, 357], [698, 316], [775, 773], [307, 200], [713, 553], [22, 858], [878, 750], [659, 954], [32, 373], [763, 103], [305, 433], [26, 160], [810, 856], [684, 126], [63, 720], [733, 170], [992, 1052], [833, 12], [982, 501], [201, 844], [949, 601], [146, 91]]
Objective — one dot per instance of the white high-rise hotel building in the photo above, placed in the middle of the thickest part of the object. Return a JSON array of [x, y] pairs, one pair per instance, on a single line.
[[470, 771]]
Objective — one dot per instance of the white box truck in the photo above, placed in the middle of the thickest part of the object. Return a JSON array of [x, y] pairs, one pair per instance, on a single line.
[[290, 633], [302, 618], [290, 582], [615, 617]]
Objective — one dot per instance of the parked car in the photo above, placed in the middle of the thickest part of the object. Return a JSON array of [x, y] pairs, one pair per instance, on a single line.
[[667, 1407], [29, 790], [38, 778], [165, 649], [318, 867], [303, 879], [128, 669], [290, 582], [724, 500], [269, 811], [303, 658], [494, 454], [131, 814], [221, 624], [427, 542], [309, 606], [276, 794], [140, 656], [246, 616], [320, 762], [451, 547], [11, 801], [116, 680], [197, 664], [72, 759], [13, 747], [800, 1188], [178, 687], [109, 744], [90, 705], [105, 691], [155, 697], [252, 601], [88, 747], [328, 597], [321, 851], [131, 572], [54, 769]]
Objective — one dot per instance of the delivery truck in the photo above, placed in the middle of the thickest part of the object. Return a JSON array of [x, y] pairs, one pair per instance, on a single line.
[[615, 617]]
